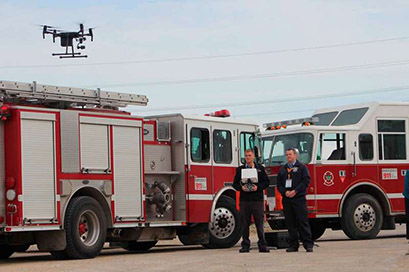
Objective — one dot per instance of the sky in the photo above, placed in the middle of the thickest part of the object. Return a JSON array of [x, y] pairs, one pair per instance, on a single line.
[[275, 83]]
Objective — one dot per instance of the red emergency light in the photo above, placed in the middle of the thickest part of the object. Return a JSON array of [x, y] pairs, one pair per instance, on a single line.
[[5, 112], [221, 113]]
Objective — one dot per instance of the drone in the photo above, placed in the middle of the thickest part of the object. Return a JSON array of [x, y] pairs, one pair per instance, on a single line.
[[67, 40]]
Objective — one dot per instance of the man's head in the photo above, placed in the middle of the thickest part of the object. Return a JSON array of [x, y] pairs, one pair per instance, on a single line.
[[291, 154], [249, 156]]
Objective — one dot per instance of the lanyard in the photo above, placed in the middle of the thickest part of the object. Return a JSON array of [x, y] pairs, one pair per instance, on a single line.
[[289, 170]]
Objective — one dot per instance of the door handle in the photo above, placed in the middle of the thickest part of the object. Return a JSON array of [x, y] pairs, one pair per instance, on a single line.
[[354, 161]]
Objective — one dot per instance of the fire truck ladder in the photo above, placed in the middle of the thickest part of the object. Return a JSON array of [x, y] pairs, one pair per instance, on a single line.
[[65, 97]]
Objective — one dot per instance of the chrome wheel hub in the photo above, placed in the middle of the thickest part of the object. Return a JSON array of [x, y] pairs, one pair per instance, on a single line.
[[364, 217], [224, 223]]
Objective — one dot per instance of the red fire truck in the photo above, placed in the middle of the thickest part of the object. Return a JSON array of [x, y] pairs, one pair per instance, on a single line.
[[76, 172], [357, 156]]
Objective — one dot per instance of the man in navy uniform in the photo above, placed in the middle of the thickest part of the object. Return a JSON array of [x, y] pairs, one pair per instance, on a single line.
[[292, 183], [252, 202]]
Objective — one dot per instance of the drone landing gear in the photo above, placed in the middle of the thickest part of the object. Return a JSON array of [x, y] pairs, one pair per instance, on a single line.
[[67, 55], [70, 55]]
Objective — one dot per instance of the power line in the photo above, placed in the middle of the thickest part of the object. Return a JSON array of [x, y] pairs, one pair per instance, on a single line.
[[275, 101], [281, 112], [207, 57], [255, 76], [271, 113]]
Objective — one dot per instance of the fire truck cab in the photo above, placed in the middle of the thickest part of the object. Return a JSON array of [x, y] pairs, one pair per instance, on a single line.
[[357, 156], [76, 172]]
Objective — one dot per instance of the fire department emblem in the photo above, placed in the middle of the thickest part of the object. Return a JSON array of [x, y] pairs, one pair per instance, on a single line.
[[328, 178]]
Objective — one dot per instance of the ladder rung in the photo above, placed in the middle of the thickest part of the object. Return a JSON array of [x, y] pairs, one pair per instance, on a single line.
[[67, 94]]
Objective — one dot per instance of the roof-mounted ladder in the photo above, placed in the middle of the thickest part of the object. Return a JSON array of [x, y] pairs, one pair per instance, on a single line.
[[33, 93]]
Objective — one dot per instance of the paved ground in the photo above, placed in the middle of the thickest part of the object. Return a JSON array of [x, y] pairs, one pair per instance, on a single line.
[[335, 253]]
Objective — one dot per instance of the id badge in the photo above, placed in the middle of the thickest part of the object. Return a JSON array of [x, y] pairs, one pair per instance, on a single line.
[[288, 183]]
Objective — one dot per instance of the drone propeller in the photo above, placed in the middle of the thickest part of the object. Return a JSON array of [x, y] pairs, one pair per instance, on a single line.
[[91, 34], [82, 28]]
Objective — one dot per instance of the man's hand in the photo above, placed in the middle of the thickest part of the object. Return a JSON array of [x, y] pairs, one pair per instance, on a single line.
[[290, 194], [244, 188], [254, 188]]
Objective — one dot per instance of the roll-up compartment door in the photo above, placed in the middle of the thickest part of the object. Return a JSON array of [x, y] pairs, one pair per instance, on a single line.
[[127, 173], [38, 167], [95, 148]]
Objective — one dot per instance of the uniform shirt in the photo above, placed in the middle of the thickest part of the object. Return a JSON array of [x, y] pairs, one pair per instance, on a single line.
[[406, 190], [261, 185], [300, 179]]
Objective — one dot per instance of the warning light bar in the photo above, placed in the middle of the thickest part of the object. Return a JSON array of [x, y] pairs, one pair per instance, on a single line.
[[283, 124], [221, 113]]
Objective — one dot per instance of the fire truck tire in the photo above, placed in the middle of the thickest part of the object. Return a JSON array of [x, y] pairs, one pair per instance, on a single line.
[[362, 217], [184, 240], [225, 232], [139, 246], [85, 229], [6, 251], [317, 229]]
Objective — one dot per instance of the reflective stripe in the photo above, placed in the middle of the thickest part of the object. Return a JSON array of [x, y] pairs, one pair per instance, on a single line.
[[398, 195], [326, 215], [339, 196], [324, 197], [199, 197]]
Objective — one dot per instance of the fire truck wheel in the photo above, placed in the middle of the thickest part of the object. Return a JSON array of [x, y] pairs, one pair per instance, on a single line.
[[85, 228], [317, 229], [362, 217], [139, 246], [6, 251], [184, 240], [225, 231]]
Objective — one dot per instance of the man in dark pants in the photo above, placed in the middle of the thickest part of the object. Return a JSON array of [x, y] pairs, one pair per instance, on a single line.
[[292, 182], [406, 195], [252, 203]]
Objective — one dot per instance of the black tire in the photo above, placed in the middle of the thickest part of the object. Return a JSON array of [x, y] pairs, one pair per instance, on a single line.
[[184, 239], [225, 224], [139, 246], [362, 217], [317, 229], [85, 229], [6, 251]]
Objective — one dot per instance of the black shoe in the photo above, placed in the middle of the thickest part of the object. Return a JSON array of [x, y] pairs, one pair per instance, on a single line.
[[244, 250], [309, 249], [263, 249], [291, 249]]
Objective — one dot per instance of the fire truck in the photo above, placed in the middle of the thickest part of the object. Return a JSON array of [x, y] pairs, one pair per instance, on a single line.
[[77, 172], [357, 156]]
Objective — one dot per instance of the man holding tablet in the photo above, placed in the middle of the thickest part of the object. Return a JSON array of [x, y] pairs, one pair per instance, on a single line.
[[251, 180]]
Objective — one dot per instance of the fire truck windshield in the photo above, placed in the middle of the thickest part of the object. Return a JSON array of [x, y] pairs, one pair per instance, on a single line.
[[274, 147]]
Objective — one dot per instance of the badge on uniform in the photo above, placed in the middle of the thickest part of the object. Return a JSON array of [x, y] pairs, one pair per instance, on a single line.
[[288, 183], [295, 169]]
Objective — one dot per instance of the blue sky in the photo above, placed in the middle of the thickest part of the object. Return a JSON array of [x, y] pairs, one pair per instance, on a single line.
[[144, 30]]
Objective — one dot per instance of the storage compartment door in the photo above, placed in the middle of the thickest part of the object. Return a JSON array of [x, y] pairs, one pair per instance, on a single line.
[[38, 167], [127, 173]]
